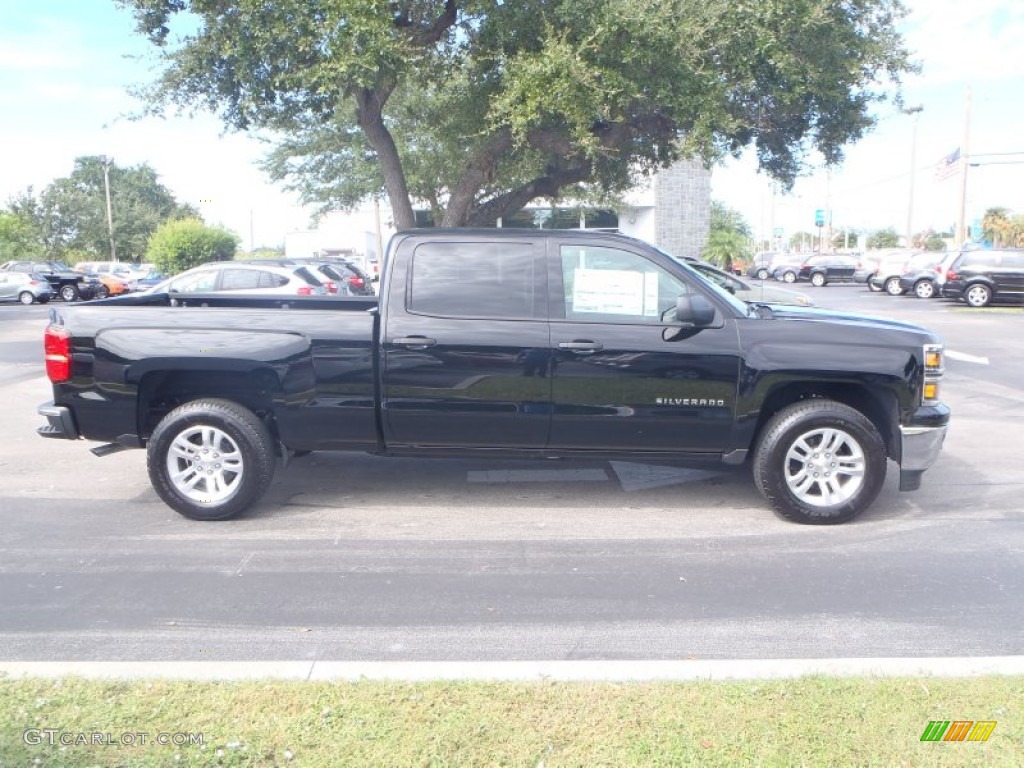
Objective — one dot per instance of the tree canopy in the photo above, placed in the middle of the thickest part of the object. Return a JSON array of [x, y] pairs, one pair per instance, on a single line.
[[69, 216], [883, 238], [480, 106]]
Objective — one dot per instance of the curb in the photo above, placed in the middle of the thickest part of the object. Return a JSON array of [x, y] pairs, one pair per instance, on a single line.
[[520, 671]]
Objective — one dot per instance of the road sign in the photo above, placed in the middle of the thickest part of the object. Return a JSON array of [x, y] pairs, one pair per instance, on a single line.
[[821, 216], [777, 232]]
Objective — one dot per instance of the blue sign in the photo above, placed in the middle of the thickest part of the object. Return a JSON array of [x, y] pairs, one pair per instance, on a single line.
[[821, 216]]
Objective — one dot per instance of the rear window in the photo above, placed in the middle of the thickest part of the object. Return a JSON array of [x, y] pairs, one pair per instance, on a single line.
[[271, 280], [483, 279], [306, 275]]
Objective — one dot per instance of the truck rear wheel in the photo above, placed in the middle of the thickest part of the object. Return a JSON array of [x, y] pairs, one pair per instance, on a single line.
[[210, 459], [819, 462]]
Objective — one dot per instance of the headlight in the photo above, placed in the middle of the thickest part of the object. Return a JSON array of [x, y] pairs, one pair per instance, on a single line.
[[933, 370]]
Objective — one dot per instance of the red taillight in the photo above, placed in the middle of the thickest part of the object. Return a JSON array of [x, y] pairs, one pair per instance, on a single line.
[[950, 275], [305, 290], [57, 346], [356, 282], [331, 286]]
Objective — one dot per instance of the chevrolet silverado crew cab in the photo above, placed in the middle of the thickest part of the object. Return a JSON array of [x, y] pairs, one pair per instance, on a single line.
[[504, 344]]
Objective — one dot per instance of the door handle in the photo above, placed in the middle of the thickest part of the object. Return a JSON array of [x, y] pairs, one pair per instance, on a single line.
[[581, 346], [414, 342]]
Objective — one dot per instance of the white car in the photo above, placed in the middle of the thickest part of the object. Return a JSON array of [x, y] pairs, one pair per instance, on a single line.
[[223, 276], [120, 269]]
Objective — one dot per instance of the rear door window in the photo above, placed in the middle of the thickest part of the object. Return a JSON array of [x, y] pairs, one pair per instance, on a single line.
[[476, 279]]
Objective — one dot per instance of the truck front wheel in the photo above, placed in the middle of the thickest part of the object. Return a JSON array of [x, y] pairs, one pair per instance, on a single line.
[[819, 462], [210, 459]]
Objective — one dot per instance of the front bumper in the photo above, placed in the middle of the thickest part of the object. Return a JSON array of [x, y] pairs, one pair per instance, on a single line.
[[60, 423], [921, 444]]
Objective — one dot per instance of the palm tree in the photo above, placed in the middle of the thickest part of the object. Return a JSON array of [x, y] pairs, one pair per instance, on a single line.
[[724, 246], [996, 226]]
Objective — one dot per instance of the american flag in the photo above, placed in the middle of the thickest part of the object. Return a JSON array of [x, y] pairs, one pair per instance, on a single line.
[[948, 165]]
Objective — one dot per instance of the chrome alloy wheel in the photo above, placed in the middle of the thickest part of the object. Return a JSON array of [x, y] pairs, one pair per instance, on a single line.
[[825, 467], [204, 464]]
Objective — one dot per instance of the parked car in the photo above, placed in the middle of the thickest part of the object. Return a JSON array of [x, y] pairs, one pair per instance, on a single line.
[[920, 275], [866, 266], [760, 267], [355, 280], [26, 287], [233, 276], [819, 269], [886, 276], [759, 292], [64, 282], [151, 278], [110, 285], [981, 277], [123, 270], [778, 265]]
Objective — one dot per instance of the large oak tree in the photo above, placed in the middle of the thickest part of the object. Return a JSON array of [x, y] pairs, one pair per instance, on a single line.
[[480, 106]]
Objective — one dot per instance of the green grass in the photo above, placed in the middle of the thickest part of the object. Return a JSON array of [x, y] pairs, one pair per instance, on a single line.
[[807, 722]]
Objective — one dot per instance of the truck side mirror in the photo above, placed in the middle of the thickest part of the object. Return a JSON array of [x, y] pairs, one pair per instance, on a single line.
[[695, 310]]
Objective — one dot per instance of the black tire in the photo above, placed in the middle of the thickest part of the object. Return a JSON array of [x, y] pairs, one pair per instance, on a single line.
[[789, 277], [818, 279], [69, 293], [101, 293], [893, 287], [872, 287], [762, 274], [924, 289], [779, 441], [978, 295], [27, 297], [232, 427]]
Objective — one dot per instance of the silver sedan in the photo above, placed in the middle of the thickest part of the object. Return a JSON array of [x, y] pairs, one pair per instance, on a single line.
[[26, 287]]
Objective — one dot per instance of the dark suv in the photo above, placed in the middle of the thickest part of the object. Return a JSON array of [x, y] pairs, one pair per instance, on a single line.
[[981, 277], [821, 269], [64, 281]]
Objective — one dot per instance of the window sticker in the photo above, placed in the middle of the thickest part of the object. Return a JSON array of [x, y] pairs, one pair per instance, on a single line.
[[613, 292]]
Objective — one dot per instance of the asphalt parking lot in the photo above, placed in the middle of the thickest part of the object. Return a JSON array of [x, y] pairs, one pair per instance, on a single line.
[[354, 557]]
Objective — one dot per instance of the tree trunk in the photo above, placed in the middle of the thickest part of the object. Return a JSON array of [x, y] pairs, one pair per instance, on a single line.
[[369, 113]]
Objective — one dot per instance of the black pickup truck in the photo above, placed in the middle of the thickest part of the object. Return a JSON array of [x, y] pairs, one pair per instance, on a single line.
[[504, 344]]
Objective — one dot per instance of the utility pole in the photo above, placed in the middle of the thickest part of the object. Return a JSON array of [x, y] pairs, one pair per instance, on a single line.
[[961, 220], [107, 162], [916, 112]]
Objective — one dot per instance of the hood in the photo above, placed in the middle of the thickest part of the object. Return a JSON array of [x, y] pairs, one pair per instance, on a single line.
[[846, 319]]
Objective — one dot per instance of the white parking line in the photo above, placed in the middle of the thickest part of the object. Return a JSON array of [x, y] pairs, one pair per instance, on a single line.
[[966, 358]]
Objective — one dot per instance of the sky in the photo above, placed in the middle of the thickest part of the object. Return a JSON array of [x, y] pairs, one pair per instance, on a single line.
[[66, 65]]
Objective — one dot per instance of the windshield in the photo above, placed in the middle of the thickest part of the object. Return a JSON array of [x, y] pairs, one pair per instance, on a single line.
[[693, 270]]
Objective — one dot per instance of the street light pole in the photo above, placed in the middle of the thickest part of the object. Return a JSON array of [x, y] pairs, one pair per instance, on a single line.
[[916, 112], [110, 211]]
